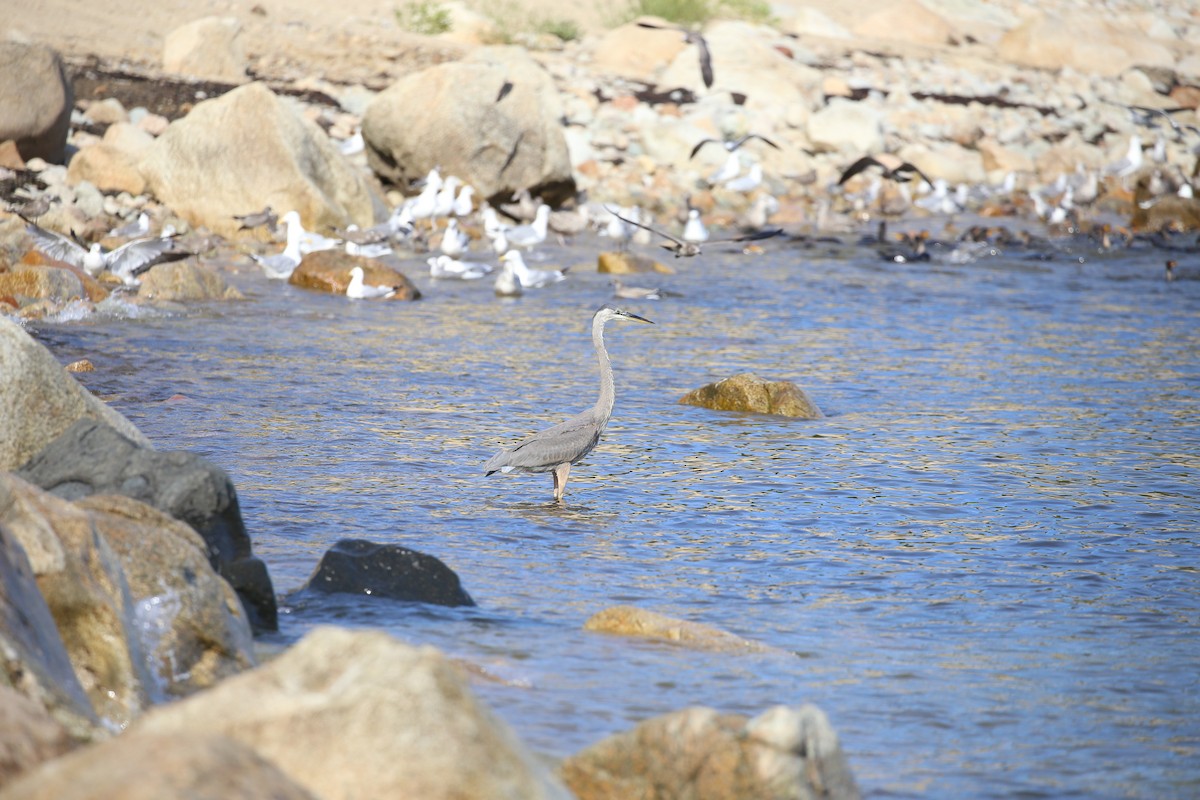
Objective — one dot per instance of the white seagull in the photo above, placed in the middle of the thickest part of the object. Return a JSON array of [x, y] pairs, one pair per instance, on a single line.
[[357, 290], [280, 266], [507, 283], [447, 268], [454, 242], [310, 241], [127, 261], [533, 234], [694, 231], [531, 278]]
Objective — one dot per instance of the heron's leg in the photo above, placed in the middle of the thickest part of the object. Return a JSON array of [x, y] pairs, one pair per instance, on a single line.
[[560, 480]]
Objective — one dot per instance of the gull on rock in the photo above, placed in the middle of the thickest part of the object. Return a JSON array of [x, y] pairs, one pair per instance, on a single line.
[[139, 227], [310, 241], [358, 290], [280, 266]]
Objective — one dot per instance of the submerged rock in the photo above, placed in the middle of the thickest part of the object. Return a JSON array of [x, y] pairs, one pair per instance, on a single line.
[[93, 458], [625, 263], [748, 392], [356, 714], [356, 566], [186, 280], [632, 621], [784, 753]]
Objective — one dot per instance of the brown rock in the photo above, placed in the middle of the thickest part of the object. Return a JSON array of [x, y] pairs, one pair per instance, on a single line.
[[35, 100], [207, 48], [82, 581], [175, 767], [82, 365], [626, 263], [1166, 213], [748, 392], [329, 271], [1087, 42], [784, 754], [358, 714], [635, 52], [26, 284], [10, 156], [185, 281], [194, 630], [108, 168], [1186, 96], [632, 621], [904, 20], [28, 735]]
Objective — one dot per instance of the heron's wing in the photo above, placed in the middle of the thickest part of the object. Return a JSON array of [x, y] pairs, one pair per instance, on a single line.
[[565, 442], [56, 245], [857, 167]]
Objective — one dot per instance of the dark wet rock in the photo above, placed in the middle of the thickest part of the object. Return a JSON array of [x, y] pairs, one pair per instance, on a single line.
[[34, 660], [329, 271], [185, 281], [93, 458], [30, 420], [180, 766], [35, 100], [249, 149], [28, 735], [748, 392], [398, 721], [356, 566], [700, 753], [625, 263], [456, 117]]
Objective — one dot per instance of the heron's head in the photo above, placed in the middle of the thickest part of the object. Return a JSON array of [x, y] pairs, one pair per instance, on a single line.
[[609, 312]]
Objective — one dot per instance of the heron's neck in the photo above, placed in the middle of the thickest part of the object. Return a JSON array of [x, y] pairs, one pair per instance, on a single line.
[[604, 405]]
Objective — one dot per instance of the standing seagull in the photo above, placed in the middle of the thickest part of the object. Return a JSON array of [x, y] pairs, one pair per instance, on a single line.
[[557, 448], [691, 37], [359, 290], [684, 249]]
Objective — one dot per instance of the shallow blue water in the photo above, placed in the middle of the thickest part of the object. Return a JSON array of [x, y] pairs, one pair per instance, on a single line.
[[982, 563]]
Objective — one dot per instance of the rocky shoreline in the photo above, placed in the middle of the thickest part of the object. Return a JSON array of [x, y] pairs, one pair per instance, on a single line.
[[129, 578]]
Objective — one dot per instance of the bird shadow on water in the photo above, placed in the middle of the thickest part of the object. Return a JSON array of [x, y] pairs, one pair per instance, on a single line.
[[565, 517]]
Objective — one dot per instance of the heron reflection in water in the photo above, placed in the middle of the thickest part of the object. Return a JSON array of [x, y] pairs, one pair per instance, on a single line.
[[557, 448]]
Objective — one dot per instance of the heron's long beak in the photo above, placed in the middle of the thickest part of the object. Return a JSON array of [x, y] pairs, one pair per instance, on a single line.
[[627, 315]]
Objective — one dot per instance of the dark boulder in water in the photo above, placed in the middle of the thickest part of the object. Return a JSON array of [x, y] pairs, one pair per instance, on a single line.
[[356, 566]]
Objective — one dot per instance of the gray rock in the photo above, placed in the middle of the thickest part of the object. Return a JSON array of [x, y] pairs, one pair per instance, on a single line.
[[452, 116], [356, 566], [33, 660], [358, 714], [93, 458], [28, 735], [35, 100], [249, 149], [784, 753], [39, 399], [175, 767]]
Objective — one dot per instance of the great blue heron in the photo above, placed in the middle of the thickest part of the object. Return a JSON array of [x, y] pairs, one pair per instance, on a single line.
[[557, 448]]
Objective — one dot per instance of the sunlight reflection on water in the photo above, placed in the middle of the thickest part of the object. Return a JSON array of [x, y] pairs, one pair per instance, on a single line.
[[983, 559]]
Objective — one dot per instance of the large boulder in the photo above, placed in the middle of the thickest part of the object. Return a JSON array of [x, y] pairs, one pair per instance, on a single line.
[[356, 566], [632, 51], [84, 586], [112, 164], [905, 21], [93, 458], [458, 117], [748, 392], [784, 754], [175, 767], [355, 714], [1089, 43], [39, 399], [33, 659], [186, 281], [248, 149], [208, 48], [35, 100]]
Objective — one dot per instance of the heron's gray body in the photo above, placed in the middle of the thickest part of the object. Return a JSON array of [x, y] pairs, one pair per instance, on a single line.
[[558, 447]]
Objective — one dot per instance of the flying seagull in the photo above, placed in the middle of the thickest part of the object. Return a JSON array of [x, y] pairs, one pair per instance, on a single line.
[[691, 37], [731, 145], [127, 261], [894, 168], [683, 249]]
